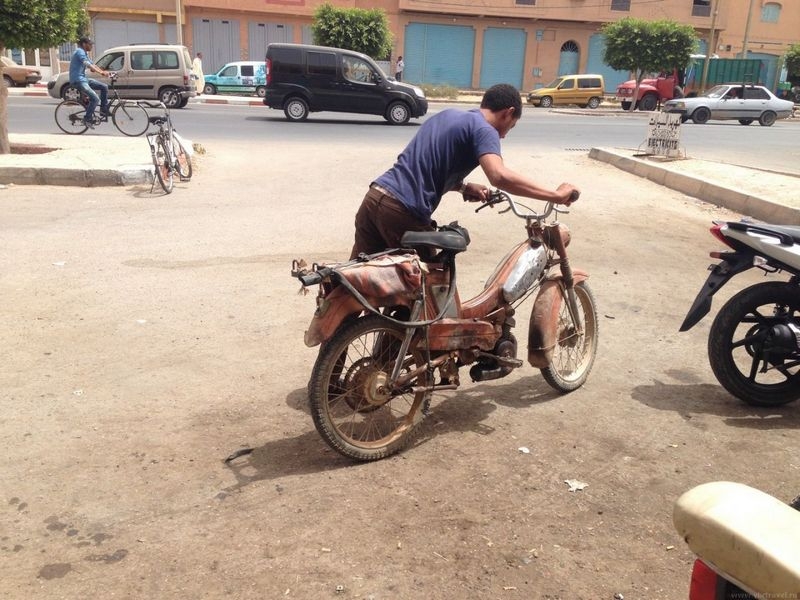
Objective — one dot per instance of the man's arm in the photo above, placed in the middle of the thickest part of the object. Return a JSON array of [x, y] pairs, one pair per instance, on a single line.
[[510, 181], [93, 67]]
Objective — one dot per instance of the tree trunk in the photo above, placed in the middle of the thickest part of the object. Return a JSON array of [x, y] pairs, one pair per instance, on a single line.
[[5, 146], [634, 100]]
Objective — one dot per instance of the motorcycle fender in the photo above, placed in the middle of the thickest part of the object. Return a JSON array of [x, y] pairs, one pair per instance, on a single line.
[[331, 312], [543, 332], [733, 264]]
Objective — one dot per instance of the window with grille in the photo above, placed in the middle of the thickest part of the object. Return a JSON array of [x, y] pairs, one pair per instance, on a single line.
[[701, 8], [621, 5], [770, 12]]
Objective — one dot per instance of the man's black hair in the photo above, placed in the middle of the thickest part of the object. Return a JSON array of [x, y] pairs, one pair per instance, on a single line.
[[501, 96]]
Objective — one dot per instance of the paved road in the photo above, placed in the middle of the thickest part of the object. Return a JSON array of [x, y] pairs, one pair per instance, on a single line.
[[539, 132]]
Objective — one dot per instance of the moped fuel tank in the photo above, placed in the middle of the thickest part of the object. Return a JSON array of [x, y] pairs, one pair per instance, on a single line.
[[526, 271]]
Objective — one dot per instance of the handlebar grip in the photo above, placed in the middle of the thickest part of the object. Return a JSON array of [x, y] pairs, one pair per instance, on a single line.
[[312, 278], [574, 195]]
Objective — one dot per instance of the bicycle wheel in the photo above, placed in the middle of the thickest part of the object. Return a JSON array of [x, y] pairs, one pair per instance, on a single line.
[[69, 117], [161, 163], [183, 161], [130, 118]]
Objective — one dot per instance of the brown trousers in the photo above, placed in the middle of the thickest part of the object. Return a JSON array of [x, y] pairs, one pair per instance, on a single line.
[[381, 221]]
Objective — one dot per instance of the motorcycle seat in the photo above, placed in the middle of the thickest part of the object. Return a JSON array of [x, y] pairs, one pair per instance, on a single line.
[[786, 232], [745, 534], [449, 241]]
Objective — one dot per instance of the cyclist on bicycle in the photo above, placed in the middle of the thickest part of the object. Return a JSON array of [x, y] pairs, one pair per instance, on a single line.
[[77, 78]]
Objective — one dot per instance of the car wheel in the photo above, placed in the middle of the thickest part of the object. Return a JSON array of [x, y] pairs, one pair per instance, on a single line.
[[70, 93], [261, 91], [184, 101], [767, 119], [684, 118], [209, 89], [625, 105], [648, 103], [701, 115], [170, 97], [594, 102], [745, 121], [9, 83], [398, 113], [296, 109], [546, 102]]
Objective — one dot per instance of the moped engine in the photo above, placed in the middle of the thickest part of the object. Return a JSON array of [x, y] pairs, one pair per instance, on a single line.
[[489, 367]]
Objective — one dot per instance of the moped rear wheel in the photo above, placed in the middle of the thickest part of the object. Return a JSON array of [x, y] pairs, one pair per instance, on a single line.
[[574, 353], [352, 407], [751, 346]]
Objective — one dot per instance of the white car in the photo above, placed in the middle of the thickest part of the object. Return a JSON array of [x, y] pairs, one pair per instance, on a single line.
[[744, 102]]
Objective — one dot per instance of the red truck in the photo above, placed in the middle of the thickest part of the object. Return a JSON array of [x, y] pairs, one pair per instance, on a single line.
[[653, 91]]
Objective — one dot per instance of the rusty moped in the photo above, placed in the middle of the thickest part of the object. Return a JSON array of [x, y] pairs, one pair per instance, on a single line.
[[393, 329]]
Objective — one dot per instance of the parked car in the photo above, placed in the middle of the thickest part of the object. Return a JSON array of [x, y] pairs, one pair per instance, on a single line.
[[243, 77], [743, 102], [145, 72], [303, 79], [583, 90], [14, 74]]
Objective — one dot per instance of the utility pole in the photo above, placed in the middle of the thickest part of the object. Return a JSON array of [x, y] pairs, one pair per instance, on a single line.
[[178, 22], [747, 30], [712, 46]]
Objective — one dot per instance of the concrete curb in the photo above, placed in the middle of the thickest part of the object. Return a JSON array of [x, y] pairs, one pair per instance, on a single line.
[[698, 187], [76, 177]]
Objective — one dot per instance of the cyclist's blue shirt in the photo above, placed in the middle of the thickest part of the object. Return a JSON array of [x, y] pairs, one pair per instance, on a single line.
[[444, 151], [77, 66]]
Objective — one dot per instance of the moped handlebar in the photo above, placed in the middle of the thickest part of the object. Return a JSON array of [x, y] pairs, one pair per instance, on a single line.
[[498, 196]]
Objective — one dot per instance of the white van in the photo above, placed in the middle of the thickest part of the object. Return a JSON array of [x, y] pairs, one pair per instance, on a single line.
[[145, 72], [242, 77]]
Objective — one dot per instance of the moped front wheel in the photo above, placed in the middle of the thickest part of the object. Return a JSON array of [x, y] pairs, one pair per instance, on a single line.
[[752, 345], [576, 348], [353, 408]]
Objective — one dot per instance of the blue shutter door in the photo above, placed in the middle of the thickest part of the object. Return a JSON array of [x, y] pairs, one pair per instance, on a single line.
[[503, 59], [568, 63], [438, 54], [595, 64]]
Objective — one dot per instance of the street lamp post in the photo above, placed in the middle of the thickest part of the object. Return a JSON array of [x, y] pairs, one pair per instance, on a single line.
[[747, 30], [178, 22], [712, 46]]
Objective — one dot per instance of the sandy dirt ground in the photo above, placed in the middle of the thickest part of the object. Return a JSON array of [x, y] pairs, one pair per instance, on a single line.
[[146, 337]]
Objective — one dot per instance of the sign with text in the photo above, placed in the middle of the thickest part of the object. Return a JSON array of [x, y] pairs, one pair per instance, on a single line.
[[664, 134]]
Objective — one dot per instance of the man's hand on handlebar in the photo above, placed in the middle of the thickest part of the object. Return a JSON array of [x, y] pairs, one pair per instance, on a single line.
[[475, 192], [568, 192]]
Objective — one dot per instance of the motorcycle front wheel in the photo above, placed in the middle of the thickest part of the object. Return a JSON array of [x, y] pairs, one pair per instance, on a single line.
[[748, 347], [353, 408], [574, 353]]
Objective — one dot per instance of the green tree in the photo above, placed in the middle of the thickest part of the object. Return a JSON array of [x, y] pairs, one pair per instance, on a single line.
[[36, 24], [643, 47], [793, 61], [362, 30]]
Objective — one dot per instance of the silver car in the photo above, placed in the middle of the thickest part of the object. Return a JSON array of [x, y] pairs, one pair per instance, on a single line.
[[744, 102]]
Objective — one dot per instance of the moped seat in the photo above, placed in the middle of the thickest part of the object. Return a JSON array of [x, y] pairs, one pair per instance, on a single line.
[[745, 533], [450, 241], [788, 233]]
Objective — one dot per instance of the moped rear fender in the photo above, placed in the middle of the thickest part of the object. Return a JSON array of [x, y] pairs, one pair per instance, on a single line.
[[543, 332], [733, 264], [336, 308]]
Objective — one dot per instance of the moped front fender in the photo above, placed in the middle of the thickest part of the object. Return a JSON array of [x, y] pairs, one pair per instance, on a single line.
[[543, 331]]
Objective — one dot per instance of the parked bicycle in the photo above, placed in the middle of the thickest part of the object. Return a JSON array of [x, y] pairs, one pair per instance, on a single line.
[[171, 154], [127, 115]]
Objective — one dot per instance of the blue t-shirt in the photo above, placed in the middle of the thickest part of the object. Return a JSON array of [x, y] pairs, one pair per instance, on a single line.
[[444, 151], [77, 66]]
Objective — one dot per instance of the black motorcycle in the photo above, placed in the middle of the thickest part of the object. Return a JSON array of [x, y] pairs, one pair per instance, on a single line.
[[754, 342]]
